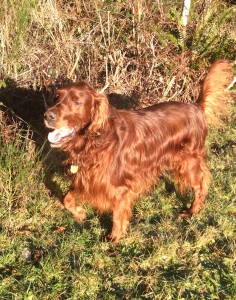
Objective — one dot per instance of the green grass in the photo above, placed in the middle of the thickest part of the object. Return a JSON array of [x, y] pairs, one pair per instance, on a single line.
[[45, 254]]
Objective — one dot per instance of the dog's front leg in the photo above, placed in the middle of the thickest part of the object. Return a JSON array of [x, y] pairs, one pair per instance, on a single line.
[[69, 202]]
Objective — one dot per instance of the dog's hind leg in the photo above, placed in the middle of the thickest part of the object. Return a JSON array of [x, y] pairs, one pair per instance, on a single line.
[[122, 212], [198, 178]]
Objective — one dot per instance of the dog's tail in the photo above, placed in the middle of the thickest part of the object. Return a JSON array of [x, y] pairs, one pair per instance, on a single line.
[[214, 98]]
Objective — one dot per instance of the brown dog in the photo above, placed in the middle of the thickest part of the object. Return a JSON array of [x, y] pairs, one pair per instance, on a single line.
[[116, 155]]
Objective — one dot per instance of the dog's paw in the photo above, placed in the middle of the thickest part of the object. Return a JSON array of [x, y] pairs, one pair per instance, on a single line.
[[185, 213], [114, 238], [79, 214]]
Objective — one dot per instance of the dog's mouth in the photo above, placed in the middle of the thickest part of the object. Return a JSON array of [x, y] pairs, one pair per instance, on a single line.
[[58, 137]]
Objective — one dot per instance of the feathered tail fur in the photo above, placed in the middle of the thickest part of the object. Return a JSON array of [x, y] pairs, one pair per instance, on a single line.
[[214, 99]]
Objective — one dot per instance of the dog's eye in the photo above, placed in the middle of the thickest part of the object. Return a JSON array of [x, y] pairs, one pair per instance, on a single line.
[[77, 103], [56, 99]]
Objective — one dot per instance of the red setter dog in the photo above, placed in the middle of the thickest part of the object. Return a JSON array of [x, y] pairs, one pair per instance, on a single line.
[[116, 155]]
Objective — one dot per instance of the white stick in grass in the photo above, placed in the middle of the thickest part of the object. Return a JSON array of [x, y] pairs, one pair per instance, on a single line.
[[185, 12]]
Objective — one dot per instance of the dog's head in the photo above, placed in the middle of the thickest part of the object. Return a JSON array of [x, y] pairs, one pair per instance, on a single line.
[[78, 107]]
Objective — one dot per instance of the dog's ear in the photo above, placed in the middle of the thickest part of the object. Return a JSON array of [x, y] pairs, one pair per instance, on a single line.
[[99, 112]]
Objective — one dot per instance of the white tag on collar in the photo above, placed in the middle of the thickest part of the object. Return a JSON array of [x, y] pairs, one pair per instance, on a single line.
[[74, 169]]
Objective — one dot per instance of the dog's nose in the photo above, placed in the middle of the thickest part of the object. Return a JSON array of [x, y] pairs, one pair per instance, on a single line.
[[50, 115]]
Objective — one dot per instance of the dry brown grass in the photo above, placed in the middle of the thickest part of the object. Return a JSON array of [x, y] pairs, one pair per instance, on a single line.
[[134, 48]]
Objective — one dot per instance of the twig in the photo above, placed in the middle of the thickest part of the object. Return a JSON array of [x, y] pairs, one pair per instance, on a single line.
[[171, 83], [75, 64], [231, 84], [104, 88]]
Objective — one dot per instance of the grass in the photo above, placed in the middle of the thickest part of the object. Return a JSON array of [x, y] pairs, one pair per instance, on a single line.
[[140, 51]]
